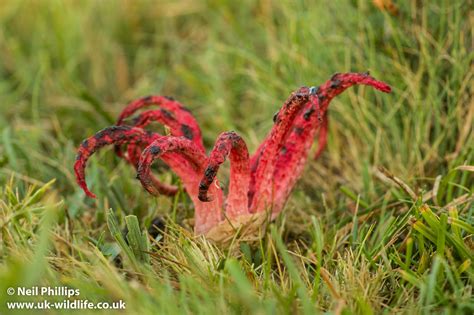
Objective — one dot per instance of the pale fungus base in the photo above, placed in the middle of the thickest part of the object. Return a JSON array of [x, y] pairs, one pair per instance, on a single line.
[[246, 228]]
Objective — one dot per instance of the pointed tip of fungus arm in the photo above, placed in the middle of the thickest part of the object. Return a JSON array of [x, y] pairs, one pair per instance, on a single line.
[[79, 171], [382, 86], [345, 80]]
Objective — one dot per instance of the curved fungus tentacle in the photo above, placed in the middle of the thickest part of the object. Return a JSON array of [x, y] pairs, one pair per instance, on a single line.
[[232, 145], [262, 177], [111, 135], [259, 185], [189, 168], [117, 135], [294, 154], [338, 83], [134, 151], [144, 119], [322, 136], [309, 121], [172, 114], [170, 107]]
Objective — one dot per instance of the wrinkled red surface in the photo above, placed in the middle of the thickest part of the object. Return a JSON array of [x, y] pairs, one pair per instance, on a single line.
[[258, 183], [171, 113], [185, 123], [229, 144], [190, 168]]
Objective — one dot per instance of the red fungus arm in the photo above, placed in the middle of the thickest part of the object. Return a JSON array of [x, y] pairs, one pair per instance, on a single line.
[[293, 156], [111, 135], [299, 142], [322, 136], [171, 113], [144, 119], [340, 82], [134, 152], [262, 178], [166, 117], [229, 144], [189, 168], [171, 108], [115, 135], [192, 159]]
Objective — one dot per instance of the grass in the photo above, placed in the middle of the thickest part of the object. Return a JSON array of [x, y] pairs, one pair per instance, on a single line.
[[381, 223]]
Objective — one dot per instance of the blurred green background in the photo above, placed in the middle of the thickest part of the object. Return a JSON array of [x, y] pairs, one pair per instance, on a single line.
[[67, 68]]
